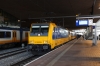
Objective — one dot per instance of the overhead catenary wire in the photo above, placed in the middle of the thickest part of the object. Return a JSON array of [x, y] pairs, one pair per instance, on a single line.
[[82, 16]]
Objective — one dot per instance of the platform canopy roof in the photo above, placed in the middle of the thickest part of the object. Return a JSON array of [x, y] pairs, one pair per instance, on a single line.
[[25, 9]]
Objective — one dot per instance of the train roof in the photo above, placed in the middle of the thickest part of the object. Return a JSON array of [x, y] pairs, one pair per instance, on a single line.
[[14, 28]]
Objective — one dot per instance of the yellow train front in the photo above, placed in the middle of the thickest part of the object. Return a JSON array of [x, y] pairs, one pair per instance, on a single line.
[[46, 36]]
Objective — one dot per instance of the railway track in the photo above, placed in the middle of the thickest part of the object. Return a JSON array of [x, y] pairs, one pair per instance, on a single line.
[[22, 63], [13, 56], [16, 57], [11, 60], [10, 52], [2, 52]]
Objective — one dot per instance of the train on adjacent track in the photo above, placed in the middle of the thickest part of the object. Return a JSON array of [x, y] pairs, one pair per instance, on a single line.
[[47, 36], [10, 37]]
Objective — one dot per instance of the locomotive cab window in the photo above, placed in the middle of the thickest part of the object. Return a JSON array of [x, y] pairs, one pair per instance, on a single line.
[[41, 30], [44, 30]]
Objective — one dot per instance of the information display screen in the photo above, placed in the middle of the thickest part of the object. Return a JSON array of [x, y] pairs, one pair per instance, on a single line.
[[82, 22]]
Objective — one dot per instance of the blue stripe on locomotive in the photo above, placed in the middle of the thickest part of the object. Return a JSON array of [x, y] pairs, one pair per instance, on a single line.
[[57, 34]]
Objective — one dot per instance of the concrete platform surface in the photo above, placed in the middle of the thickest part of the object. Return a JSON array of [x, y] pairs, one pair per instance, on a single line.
[[76, 53]]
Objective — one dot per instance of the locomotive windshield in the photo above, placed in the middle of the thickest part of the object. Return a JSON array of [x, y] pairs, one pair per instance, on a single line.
[[41, 30]]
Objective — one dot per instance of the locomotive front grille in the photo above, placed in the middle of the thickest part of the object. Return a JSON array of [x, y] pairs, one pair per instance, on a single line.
[[39, 47]]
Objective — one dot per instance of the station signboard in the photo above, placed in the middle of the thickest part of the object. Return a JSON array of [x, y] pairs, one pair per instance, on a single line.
[[82, 22]]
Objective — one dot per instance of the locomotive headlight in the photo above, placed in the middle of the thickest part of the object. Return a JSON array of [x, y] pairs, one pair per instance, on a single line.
[[45, 41]]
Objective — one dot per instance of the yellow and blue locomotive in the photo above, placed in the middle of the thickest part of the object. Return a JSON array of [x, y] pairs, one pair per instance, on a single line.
[[46, 36]]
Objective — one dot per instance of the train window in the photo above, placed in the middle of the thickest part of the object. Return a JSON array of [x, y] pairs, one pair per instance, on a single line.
[[5, 34], [2, 34], [8, 34], [67, 33], [58, 33], [63, 33], [35, 29], [41, 30], [44, 30]]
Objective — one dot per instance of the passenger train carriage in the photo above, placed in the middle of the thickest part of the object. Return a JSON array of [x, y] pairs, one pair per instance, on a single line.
[[46, 36], [10, 37]]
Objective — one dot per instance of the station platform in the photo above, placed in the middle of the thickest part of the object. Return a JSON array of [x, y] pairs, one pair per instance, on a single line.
[[77, 52]]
